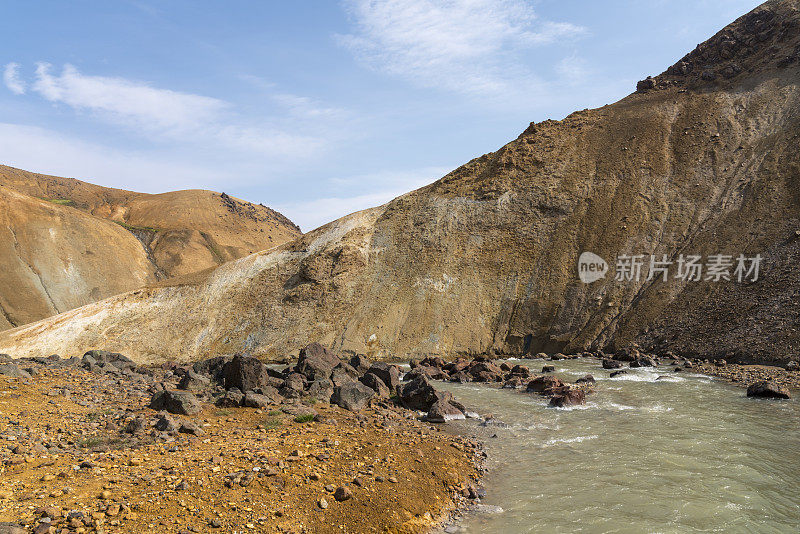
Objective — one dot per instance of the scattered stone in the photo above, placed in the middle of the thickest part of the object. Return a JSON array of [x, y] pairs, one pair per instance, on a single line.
[[767, 389], [178, 402], [353, 396], [342, 493]]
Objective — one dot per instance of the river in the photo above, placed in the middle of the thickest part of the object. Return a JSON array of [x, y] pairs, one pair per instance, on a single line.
[[683, 453]]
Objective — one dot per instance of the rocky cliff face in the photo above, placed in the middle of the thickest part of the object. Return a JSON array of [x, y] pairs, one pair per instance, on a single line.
[[702, 159], [66, 243]]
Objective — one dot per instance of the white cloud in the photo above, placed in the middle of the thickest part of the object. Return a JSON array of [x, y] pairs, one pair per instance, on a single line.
[[45, 151], [183, 118], [386, 184], [467, 46], [127, 101], [12, 80]]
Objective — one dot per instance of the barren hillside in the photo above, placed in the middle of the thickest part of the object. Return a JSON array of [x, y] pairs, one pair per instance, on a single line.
[[702, 159], [67, 243]]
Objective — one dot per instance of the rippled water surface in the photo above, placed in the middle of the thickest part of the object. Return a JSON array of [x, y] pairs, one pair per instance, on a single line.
[[679, 454]]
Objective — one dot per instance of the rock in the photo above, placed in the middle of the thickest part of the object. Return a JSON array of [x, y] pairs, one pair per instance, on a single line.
[[461, 377], [295, 382], [136, 425], [192, 381], [443, 411], [342, 493], [486, 372], [545, 385], [645, 85], [372, 381], [548, 369], [792, 366], [322, 503], [588, 379], [255, 400], [417, 394], [11, 528], [231, 399], [521, 371], [12, 370], [360, 363], [343, 373], [213, 368], [353, 396], [767, 389], [188, 427], [166, 423], [617, 373], [611, 364], [572, 397], [179, 402], [316, 362], [390, 374], [244, 373], [514, 382], [320, 389]]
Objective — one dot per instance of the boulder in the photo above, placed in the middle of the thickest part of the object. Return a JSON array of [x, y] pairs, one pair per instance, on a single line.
[[295, 381], [12, 370], [212, 368], [192, 381], [360, 363], [768, 389], [442, 411], [316, 362], [343, 373], [231, 399], [572, 397], [611, 364], [514, 382], [545, 385], [588, 379], [372, 381], [390, 374], [189, 427], [258, 400], [462, 377], [549, 369], [352, 396], [617, 373], [180, 402], [418, 394], [320, 389], [166, 423], [521, 371], [244, 373]]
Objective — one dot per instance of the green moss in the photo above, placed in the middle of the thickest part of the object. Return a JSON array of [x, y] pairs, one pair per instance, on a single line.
[[132, 228], [305, 418], [60, 201]]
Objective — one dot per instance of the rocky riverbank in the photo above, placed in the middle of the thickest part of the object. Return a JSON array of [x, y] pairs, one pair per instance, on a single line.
[[99, 444]]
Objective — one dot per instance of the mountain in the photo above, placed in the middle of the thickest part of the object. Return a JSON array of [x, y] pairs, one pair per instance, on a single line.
[[65, 243], [700, 160]]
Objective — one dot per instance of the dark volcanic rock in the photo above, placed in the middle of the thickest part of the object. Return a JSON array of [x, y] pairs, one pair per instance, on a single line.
[[353, 396], [192, 381], [390, 374], [611, 364], [180, 402], [617, 373], [588, 379], [316, 362], [419, 394], [572, 397], [231, 399], [443, 411], [372, 381], [244, 373], [12, 370], [360, 363], [548, 369], [768, 389], [545, 385]]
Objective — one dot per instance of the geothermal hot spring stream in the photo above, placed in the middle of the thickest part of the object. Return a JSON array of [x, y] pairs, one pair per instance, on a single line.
[[683, 453]]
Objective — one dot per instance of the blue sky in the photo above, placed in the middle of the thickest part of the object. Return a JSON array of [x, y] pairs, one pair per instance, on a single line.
[[314, 108]]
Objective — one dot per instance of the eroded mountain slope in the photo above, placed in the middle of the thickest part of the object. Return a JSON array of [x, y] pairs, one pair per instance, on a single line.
[[68, 243], [702, 159]]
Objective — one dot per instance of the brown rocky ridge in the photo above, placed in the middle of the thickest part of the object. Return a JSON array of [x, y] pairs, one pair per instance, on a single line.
[[700, 160], [65, 243]]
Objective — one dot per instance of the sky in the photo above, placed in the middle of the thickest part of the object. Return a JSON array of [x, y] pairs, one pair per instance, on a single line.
[[314, 108]]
